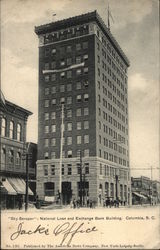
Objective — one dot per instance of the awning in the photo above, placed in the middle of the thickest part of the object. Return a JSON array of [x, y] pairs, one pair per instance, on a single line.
[[19, 185], [10, 190], [140, 195]]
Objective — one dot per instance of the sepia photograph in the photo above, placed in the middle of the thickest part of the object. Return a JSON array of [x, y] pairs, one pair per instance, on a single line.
[[79, 124]]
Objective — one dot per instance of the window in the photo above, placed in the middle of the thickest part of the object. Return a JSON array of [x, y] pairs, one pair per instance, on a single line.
[[69, 48], [69, 113], [46, 129], [49, 189], [53, 101], [69, 140], [46, 103], [69, 126], [46, 66], [46, 155], [53, 89], [11, 156], [78, 85], [46, 52], [79, 98], [85, 45], [79, 139], [78, 125], [86, 124], [62, 74], [46, 91], [100, 171], [85, 57], [53, 115], [78, 168], [18, 158], [62, 88], [53, 128], [19, 132], [52, 169], [3, 156], [86, 168], [53, 155], [86, 152], [11, 130], [78, 46], [86, 83], [69, 153], [53, 51], [78, 72], [69, 169], [69, 61], [46, 142], [78, 59], [86, 138], [86, 97], [69, 74], [53, 142], [3, 128], [53, 77], [86, 111], [45, 167], [85, 70], [69, 87], [78, 112], [62, 100], [62, 63], [62, 169], [53, 65]]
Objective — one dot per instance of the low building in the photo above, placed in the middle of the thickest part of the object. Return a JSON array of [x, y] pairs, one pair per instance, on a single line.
[[13, 122], [145, 191]]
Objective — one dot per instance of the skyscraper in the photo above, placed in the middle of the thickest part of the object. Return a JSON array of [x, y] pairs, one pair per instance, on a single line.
[[83, 148]]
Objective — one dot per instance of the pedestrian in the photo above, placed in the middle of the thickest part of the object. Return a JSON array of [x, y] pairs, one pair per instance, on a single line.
[[91, 204], [74, 203], [20, 202], [87, 202]]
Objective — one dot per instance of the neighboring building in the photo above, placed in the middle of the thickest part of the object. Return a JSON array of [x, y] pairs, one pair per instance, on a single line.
[[145, 191], [13, 122], [82, 67]]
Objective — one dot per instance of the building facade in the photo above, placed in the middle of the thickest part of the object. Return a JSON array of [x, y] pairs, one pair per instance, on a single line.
[[83, 111], [13, 122], [145, 191]]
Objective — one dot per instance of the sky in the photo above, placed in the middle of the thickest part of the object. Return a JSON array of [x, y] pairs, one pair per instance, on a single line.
[[136, 29]]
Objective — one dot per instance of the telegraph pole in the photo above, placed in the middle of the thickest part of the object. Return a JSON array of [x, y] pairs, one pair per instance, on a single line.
[[81, 188], [61, 153], [26, 196]]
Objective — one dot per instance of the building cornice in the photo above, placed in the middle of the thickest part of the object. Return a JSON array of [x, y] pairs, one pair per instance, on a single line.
[[82, 19]]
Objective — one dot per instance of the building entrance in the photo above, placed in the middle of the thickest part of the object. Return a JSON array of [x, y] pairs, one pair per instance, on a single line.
[[66, 193]]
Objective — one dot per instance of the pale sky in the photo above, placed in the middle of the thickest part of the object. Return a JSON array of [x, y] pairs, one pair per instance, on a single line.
[[136, 29]]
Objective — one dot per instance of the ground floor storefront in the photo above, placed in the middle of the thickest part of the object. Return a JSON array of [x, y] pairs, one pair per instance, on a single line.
[[94, 181], [13, 190]]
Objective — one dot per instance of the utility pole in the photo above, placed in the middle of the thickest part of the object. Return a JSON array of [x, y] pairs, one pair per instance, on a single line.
[[81, 188], [26, 196], [61, 153], [116, 187]]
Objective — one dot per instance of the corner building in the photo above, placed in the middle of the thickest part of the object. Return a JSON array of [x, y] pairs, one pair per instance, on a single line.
[[82, 67]]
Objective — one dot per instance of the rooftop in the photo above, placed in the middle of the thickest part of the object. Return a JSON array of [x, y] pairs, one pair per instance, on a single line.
[[80, 19]]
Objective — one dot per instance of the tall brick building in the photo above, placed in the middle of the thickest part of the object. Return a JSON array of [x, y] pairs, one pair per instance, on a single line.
[[83, 74]]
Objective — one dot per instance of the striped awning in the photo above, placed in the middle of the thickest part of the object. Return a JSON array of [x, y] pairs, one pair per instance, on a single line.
[[19, 185], [9, 188]]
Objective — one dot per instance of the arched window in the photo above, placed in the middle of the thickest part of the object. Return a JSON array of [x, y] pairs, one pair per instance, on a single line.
[[3, 157], [11, 130], [19, 132], [3, 127], [11, 156], [18, 158]]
